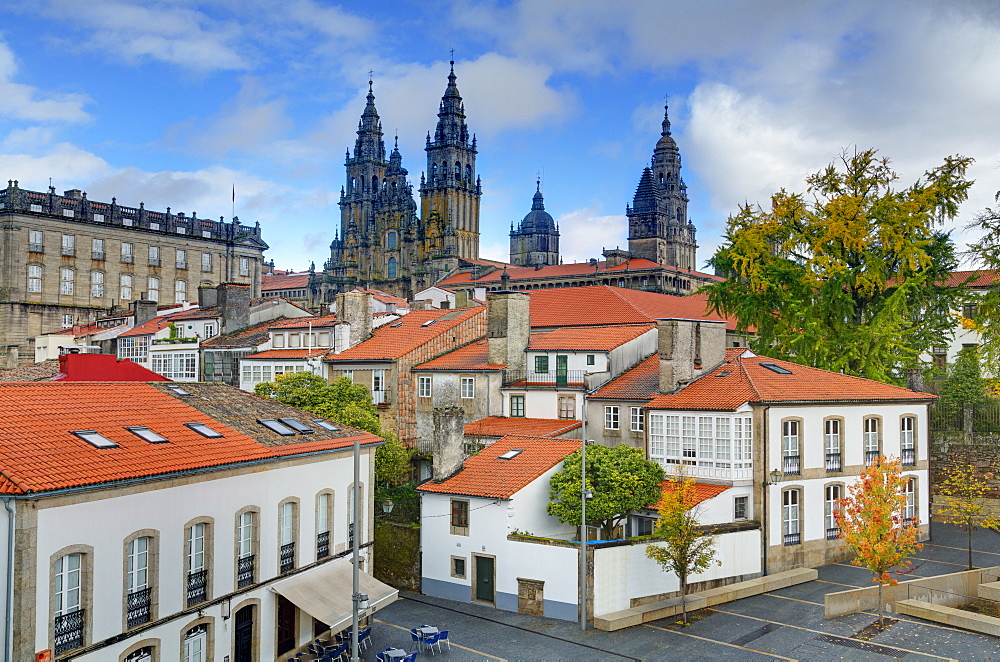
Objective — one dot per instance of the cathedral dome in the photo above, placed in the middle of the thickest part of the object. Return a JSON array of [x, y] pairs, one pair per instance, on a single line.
[[538, 220]]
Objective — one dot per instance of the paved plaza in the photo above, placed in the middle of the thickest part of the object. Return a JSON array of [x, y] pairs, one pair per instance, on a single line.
[[787, 624]]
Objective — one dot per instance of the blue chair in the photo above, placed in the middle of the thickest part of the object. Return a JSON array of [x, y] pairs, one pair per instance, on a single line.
[[417, 639], [432, 640], [364, 638], [411, 657], [443, 636]]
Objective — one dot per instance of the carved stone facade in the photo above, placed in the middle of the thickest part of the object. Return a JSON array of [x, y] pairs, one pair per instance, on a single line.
[[536, 240]]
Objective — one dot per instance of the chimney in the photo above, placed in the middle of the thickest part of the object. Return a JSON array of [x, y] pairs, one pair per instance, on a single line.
[[12, 357], [355, 310], [143, 310], [508, 328], [422, 304], [688, 349], [449, 441], [462, 299], [234, 306], [208, 297], [915, 379]]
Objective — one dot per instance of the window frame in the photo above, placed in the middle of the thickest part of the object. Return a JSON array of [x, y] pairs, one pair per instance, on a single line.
[[791, 516], [637, 419], [152, 537], [425, 387], [830, 508], [516, 405], [868, 435], [566, 407], [458, 516], [833, 440], [612, 419], [289, 510], [542, 364], [207, 525], [791, 446], [470, 392], [910, 435]]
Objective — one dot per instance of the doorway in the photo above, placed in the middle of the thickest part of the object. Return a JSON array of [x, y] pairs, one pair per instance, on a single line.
[[485, 579], [243, 635], [562, 374]]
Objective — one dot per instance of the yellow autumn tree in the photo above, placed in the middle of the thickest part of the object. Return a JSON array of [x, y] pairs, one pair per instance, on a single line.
[[872, 523], [966, 505]]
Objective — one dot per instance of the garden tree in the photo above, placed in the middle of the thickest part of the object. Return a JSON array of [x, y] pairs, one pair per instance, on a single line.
[[620, 478], [966, 506], [871, 522], [986, 254], [687, 549], [347, 403], [965, 383], [850, 275]]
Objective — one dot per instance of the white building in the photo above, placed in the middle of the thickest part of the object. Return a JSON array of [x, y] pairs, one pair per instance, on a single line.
[[151, 521]]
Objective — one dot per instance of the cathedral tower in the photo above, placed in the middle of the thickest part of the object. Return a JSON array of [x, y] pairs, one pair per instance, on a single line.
[[536, 240], [659, 229], [450, 190]]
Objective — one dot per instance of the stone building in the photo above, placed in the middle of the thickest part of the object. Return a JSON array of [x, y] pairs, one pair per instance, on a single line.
[[383, 242], [536, 240], [66, 260]]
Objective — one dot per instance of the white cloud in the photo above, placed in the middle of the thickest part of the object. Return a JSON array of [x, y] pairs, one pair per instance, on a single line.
[[24, 102], [583, 233], [63, 162]]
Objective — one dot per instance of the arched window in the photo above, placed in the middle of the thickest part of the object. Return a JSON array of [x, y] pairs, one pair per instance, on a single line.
[[374, 183], [910, 509], [831, 494], [434, 172], [790, 458], [353, 186], [790, 517], [391, 270], [390, 241], [468, 172], [907, 440], [458, 170]]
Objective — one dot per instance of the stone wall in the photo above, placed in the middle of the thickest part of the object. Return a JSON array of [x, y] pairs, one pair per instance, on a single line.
[[397, 555], [951, 449]]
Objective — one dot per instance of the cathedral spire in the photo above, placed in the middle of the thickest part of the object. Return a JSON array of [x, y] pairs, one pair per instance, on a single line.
[[369, 143], [451, 127], [666, 120]]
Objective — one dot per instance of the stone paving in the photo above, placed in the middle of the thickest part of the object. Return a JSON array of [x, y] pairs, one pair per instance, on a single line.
[[786, 624]]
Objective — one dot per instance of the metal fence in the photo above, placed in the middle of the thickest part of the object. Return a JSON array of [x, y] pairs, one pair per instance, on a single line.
[[969, 418]]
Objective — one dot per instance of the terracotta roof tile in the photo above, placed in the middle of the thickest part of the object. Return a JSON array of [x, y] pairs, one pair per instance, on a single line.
[[558, 271], [304, 322], [383, 297], [500, 426], [277, 282], [406, 334], [977, 278], [640, 383], [252, 336], [39, 453], [702, 492], [746, 379], [288, 354], [486, 475], [471, 357], [32, 372], [150, 327], [591, 338]]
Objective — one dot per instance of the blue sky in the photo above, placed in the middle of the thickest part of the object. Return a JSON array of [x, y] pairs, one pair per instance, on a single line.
[[172, 102]]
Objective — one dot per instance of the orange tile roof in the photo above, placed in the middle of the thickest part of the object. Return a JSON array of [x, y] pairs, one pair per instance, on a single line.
[[702, 492], [500, 426], [150, 327], [486, 475], [248, 337], [560, 271], [640, 383], [744, 379], [591, 338], [603, 305], [39, 453], [305, 322], [405, 335], [288, 354], [276, 282], [471, 357], [977, 278]]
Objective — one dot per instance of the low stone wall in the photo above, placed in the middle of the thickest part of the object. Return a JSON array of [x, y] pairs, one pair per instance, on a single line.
[[960, 618], [950, 449], [397, 555]]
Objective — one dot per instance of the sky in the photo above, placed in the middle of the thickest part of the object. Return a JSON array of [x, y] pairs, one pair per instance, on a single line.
[[177, 102]]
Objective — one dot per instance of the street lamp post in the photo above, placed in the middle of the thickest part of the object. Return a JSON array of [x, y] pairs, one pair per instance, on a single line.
[[356, 596]]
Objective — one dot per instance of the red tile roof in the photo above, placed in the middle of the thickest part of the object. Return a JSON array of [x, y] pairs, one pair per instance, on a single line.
[[486, 475], [745, 379], [500, 426], [560, 271], [640, 383], [977, 278], [304, 322], [278, 282], [591, 338], [287, 354], [471, 357], [39, 453], [382, 297], [603, 305], [702, 492], [405, 335]]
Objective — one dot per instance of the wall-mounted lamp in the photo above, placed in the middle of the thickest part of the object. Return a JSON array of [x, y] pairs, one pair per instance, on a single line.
[[387, 506], [775, 476]]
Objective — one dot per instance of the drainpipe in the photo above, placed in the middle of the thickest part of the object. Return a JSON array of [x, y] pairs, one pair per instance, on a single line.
[[8, 634], [765, 521]]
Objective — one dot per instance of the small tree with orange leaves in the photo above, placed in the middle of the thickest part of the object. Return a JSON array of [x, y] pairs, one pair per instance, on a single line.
[[872, 523]]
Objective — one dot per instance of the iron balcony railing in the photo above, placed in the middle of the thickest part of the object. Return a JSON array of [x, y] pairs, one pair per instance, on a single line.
[[793, 538], [68, 632], [833, 534], [323, 545], [96, 255], [870, 457], [350, 535], [790, 465], [197, 587], [154, 261], [245, 571], [36, 248], [552, 376], [287, 557], [127, 259], [833, 462], [139, 607], [69, 251], [909, 457]]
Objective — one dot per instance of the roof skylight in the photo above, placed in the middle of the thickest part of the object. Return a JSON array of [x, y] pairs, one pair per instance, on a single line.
[[428, 322], [274, 426], [95, 438], [178, 390], [511, 454], [204, 430], [145, 433], [295, 425], [774, 367], [725, 373], [396, 324], [326, 425]]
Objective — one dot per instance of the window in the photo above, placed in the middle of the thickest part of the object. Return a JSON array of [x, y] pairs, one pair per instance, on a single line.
[[126, 287], [196, 644], [68, 213], [567, 406], [390, 241], [138, 601], [708, 446], [209, 330], [391, 268], [69, 245], [458, 567], [831, 440], [197, 570], [637, 419], [460, 517], [740, 508], [127, 222], [67, 320], [907, 441], [468, 387], [590, 359], [970, 311], [66, 277], [153, 289], [244, 266], [180, 291], [790, 448], [154, 256], [910, 507], [34, 278], [181, 259], [871, 440], [176, 365], [255, 374], [517, 406], [99, 218], [69, 616], [610, 417], [96, 284], [203, 429], [790, 517], [134, 347], [206, 262], [324, 511], [378, 387], [244, 550], [146, 434], [424, 387], [36, 241], [348, 374], [831, 494], [126, 252], [286, 528], [541, 364]]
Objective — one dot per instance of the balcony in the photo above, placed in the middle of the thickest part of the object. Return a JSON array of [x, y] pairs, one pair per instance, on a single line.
[[833, 464], [323, 545], [245, 571], [833, 534], [909, 457], [870, 457], [36, 248], [182, 264], [154, 261], [97, 255], [380, 397], [287, 557], [717, 470], [68, 251], [197, 587], [139, 607], [127, 259], [68, 631], [790, 465], [793, 538], [557, 378]]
